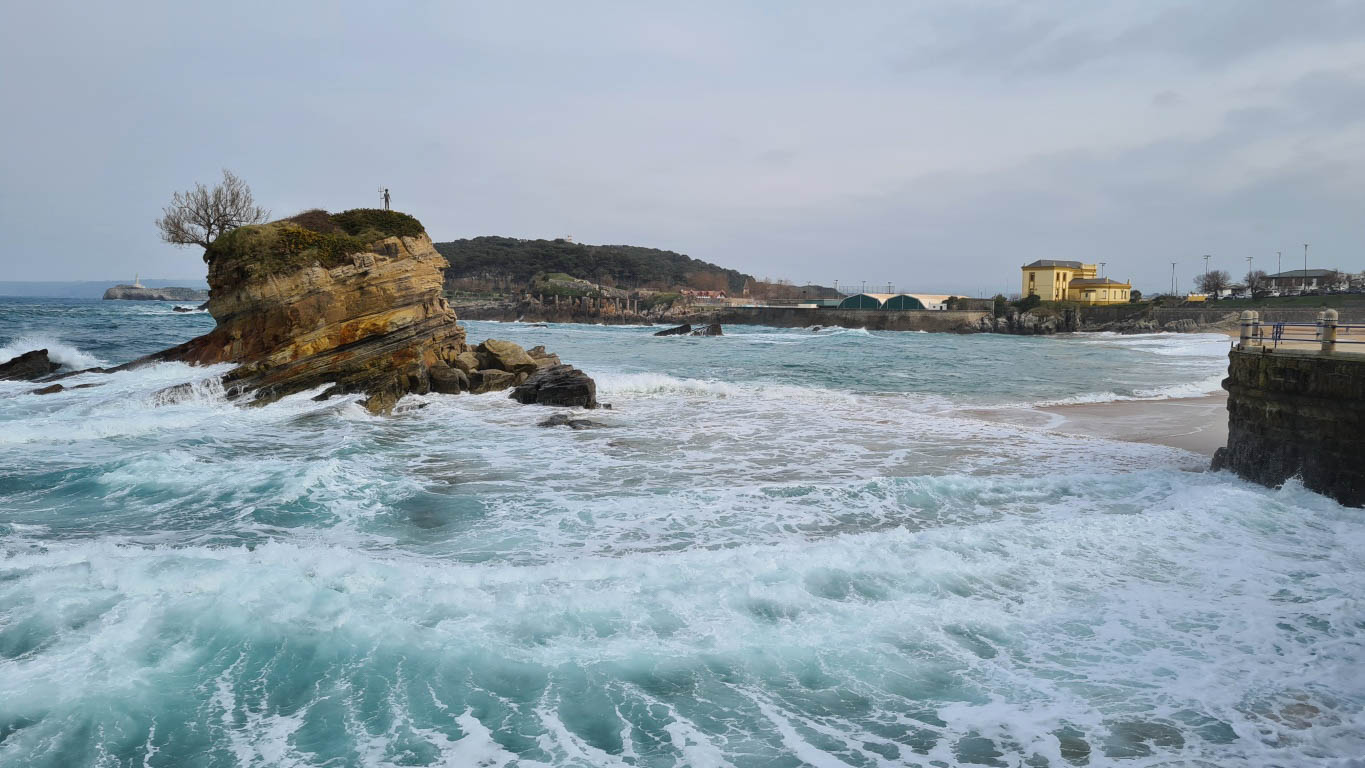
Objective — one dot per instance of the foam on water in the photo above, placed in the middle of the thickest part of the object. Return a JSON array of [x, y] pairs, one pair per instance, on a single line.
[[57, 351], [809, 562]]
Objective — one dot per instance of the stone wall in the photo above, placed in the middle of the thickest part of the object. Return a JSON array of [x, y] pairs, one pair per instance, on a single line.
[[1297, 414], [871, 319]]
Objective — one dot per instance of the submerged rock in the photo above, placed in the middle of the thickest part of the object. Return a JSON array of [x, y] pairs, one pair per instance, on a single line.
[[681, 330], [566, 420], [559, 385], [31, 365], [179, 308], [48, 390], [711, 330]]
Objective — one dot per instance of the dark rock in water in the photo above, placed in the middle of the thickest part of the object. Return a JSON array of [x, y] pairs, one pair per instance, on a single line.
[[565, 420], [447, 380], [491, 380], [711, 330], [88, 386], [178, 308], [48, 390], [559, 385], [681, 330], [28, 366]]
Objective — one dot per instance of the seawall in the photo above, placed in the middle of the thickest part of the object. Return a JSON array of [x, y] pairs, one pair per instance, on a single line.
[[871, 319], [1297, 413]]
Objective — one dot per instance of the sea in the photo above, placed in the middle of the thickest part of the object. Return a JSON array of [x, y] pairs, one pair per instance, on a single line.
[[778, 548]]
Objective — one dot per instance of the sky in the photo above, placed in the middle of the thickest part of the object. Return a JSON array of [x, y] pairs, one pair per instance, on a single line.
[[934, 145]]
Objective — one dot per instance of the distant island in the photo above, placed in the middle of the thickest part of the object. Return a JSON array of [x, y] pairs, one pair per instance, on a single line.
[[139, 292]]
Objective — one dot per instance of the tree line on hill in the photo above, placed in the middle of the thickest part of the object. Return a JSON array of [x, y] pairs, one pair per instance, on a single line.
[[509, 264]]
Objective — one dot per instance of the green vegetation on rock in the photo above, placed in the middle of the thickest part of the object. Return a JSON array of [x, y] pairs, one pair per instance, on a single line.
[[312, 237]]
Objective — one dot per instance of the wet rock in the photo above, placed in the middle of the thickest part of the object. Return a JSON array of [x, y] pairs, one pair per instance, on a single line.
[[183, 309], [504, 356], [543, 359], [447, 380], [711, 330], [49, 389], [491, 380], [466, 361], [559, 385], [566, 420], [681, 330], [31, 365]]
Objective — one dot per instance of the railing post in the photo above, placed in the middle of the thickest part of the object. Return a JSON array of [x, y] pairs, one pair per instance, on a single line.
[[1329, 330], [1318, 333], [1248, 323]]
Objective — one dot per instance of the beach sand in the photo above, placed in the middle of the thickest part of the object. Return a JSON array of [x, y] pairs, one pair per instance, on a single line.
[[1195, 424]]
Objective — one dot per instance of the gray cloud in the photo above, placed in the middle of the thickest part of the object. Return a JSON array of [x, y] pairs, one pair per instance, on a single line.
[[937, 146]]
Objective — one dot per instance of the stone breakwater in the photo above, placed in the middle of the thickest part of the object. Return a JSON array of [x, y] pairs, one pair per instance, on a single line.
[[1297, 414]]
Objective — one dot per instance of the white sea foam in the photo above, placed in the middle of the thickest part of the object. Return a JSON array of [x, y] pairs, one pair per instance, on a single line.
[[57, 351], [742, 565]]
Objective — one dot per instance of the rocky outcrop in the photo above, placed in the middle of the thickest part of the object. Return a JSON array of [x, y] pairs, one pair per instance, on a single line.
[[28, 366], [682, 330], [352, 301], [142, 293], [561, 385], [1297, 414], [713, 329], [1028, 323]]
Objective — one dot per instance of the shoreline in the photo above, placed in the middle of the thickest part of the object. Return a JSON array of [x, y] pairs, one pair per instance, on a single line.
[[1195, 424]]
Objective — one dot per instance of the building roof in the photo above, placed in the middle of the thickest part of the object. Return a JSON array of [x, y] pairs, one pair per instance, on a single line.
[[1304, 273], [882, 297], [1053, 263], [1097, 281]]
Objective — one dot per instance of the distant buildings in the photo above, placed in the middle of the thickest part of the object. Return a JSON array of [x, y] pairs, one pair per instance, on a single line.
[[1307, 280], [1054, 280]]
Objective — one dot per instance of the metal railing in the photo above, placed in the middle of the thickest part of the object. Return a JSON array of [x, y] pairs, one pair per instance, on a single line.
[[1326, 333]]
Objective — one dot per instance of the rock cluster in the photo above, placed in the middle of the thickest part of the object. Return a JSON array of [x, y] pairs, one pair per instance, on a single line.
[[142, 293], [349, 300]]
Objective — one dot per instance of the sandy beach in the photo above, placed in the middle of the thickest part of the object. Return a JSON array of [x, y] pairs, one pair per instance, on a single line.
[[1195, 424]]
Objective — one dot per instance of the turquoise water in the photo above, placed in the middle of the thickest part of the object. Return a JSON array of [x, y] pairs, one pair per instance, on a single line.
[[783, 548]]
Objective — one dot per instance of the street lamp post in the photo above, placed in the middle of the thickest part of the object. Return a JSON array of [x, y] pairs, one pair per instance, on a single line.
[[1305, 268], [1173, 278]]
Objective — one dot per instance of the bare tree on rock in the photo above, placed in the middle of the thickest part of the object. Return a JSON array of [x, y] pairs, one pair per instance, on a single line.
[[198, 216]]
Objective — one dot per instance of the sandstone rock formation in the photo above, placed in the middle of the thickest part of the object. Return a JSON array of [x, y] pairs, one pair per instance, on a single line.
[[28, 366], [352, 300]]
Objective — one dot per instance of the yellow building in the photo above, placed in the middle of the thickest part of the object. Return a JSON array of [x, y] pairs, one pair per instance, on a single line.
[[1053, 280]]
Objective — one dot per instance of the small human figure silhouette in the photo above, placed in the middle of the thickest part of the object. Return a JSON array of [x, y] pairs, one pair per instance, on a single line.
[[386, 198]]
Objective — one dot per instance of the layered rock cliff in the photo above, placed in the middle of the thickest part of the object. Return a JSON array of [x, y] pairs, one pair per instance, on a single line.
[[350, 300]]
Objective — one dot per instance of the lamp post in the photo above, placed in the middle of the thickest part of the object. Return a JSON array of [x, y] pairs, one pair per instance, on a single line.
[[1173, 278], [1250, 290], [1305, 268], [1206, 272]]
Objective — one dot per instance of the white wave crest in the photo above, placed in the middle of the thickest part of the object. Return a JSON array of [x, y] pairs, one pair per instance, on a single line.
[[57, 351]]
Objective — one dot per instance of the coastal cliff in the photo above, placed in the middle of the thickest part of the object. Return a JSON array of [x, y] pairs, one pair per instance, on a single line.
[[352, 300], [1297, 414], [143, 293]]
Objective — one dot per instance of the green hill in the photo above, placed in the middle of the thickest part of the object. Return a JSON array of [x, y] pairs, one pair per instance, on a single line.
[[503, 263]]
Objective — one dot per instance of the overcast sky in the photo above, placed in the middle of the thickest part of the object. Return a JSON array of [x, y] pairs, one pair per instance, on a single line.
[[936, 145]]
